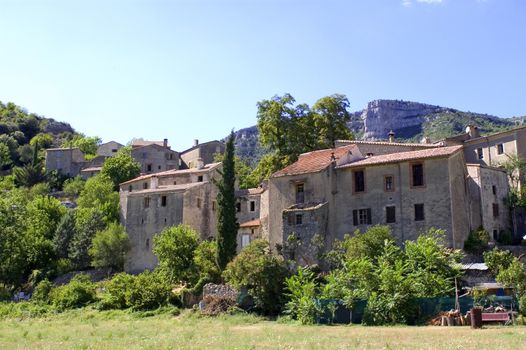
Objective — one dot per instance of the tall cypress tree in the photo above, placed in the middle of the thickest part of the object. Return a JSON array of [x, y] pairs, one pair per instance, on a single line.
[[227, 225]]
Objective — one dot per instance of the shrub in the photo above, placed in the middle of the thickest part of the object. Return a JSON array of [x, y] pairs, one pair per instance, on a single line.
[[477, 241], [79, 292], [522, 305], [303, 291], [262, 273], [147, 292], [115, 292], [497, 260], [505, 237], [109, 247], [73, 187], [42, 292]]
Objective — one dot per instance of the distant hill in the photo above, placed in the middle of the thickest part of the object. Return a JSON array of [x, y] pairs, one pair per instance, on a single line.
[[18, 127], [410, 121]]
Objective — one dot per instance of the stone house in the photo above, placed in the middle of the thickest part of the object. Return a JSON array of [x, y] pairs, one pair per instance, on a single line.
[[201, 152], [154, 157], [69, 161], [252, 215], [109, 149]]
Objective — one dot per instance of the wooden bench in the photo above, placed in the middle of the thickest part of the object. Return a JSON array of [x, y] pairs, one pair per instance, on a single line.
[[496, 317]]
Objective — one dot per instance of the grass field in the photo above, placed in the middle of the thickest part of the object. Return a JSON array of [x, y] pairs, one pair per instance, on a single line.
[[89, 329]]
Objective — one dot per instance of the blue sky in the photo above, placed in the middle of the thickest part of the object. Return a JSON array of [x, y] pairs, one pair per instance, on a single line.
[[196, 69]]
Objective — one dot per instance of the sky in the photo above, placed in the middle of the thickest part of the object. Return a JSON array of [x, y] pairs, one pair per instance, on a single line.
[[184, 70]]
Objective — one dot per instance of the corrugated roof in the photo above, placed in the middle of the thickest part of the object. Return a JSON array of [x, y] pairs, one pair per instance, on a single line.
[[405, 156], [314, 161]]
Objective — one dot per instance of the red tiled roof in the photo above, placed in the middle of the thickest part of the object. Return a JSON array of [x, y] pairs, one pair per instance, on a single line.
[[405, 156], [206, 168], [251, 223], [313, 162]]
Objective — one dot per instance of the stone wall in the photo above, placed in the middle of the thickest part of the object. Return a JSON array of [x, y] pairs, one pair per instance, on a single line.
[[157, 157]]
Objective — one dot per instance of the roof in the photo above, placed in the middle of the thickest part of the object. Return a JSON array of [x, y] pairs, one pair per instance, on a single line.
[[153, 145], [95, 168], [62, 149], [205, 169], [436, 152], [168, 188], [387, 143], [199, 145], [251, 223], [314, 161], [250, 191], [142, 143]]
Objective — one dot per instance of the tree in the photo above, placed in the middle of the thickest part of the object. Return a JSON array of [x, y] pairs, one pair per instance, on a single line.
[[227, 225], [331, 118], [64, 234], [175, 248], [121, 167], [497, 260], [262, 273], [205, 259], [5, 158], [73, 187], [274, 121], [88, 221], [32, 173], [88, 145], [109, 248], [98, 194]]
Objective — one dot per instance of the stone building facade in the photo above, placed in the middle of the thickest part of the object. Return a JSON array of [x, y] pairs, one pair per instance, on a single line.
[[201, 153], [69, 161]]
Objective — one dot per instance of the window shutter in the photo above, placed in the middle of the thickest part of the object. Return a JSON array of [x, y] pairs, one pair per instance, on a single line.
[[355, 217], [369, 216]]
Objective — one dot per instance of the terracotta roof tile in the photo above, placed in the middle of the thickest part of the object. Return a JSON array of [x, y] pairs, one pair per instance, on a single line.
[[405, 156], [315, 161], [251, 223], [206, 168]]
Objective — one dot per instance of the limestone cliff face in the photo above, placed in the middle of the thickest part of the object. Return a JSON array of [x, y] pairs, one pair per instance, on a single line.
[[403, 117]]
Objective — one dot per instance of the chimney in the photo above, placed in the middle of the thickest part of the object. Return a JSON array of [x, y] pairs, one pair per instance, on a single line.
[[196, 142], [165, 143], [200, 163], [391, 136], [472, 131]]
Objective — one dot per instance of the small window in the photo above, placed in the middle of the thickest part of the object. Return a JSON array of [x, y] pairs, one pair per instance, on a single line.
[[199, 203], [495, 235], [213, 205], [359, 181], [299, 219], [146, 202], [417, 172], [480, 153], [163, 201], [130, 188], [159, 167], [419, 212], [238, 207], [147, 243], [495, 210], [175, 182], [252, 206], [171, 156], [362, 217], [200, 178], [369, 154], [148, 167], [290, 219], [300, 193], [390, 214], [494, 189], [145, 185], [113, 150], [500, 148], [245, 240], [389, 183]]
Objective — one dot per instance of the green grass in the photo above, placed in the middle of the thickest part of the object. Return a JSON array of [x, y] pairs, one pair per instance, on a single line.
[[91, 329]]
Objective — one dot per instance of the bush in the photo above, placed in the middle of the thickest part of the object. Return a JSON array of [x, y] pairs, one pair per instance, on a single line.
[[303, 291], [109, 247], [522, 305], [79, 292], [42, 291], [73, 187], [147, 292], [262, 273], [384, 309], [115, 292], [477, 241], [505, 237], [497, 260]]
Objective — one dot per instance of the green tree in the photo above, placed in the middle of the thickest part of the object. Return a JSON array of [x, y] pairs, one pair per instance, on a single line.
[[262, 273], [175, 248], [64, 234], [331, 117], [74, 186], [43, 140], [88, 222], [98, 194], [227, 225], [32, 173], [205, 259], [121, 167], [5, 157], [109, 248], [497, 260]]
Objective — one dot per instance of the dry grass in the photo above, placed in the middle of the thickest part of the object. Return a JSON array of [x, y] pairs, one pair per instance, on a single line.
[[88, 329]]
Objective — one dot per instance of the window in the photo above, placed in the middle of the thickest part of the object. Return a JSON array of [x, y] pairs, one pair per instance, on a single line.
[[113, 150], [200, 178], [290, 219], [145, 185], [495, 210], [245, 240], [252, 206], [175, 182], [417, 174], [163, 201], [500, 148], [494, 189], [480, 154], [147, 243], [148, 167], [238, 207], [361, 217], [359, 181], [299, 219], [159, 167], [199, 203], [390, 214], [213, 205], [495, 235], [300, 193], [369, 154], [419, 212], [130, 188], [389, 183], [146, 202]]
